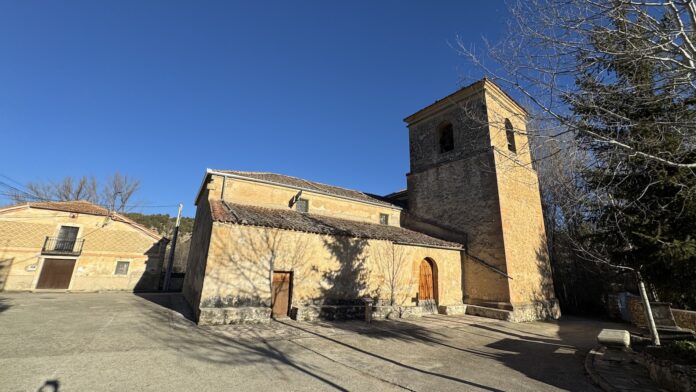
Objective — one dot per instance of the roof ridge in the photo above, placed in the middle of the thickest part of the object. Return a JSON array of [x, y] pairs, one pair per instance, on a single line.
[[310, 185], [296, 178]]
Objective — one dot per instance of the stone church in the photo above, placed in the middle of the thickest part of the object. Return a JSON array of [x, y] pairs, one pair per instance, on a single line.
[[466, 235]]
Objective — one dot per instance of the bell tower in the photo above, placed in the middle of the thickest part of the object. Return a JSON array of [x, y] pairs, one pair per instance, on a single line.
[[471, 180]]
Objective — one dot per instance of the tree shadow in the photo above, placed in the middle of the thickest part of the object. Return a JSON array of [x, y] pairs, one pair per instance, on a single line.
[[342, 288], [50, 386], [212, 345], [400, 335], [244, 345]]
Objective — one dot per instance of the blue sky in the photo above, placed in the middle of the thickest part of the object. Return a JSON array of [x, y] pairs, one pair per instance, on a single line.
[[162, 90]]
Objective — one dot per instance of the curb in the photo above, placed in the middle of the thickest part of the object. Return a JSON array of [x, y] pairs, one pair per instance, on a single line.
[[590, 369]]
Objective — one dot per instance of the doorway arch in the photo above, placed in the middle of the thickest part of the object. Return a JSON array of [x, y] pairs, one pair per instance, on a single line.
[[427, 285]]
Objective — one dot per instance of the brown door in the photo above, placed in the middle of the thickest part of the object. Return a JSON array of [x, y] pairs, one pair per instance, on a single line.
[[426, 287], [281, 294], [55, 274]]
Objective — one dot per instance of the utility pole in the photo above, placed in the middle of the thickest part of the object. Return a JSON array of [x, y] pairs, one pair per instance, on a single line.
[[170, 263]]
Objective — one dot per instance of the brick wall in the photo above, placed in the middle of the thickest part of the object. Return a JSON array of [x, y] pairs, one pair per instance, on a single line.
[[683, 318]]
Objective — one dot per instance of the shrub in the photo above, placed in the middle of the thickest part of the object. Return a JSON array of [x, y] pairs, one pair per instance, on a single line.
[[683, 350]]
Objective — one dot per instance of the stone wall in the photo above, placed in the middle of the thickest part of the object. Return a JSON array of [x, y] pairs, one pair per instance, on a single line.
[[488, 192], [459, 190], [248, 192], [198, 254], [522, 219], [106, 241], [683, 318], [330, 274]]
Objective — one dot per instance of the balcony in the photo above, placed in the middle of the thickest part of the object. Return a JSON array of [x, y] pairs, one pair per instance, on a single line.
[[63, 247]]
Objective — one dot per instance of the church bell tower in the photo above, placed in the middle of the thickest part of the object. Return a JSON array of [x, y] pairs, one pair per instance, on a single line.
[[471, 180]]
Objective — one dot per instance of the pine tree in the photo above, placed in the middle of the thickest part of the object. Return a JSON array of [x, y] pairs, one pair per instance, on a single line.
[[642, 212]]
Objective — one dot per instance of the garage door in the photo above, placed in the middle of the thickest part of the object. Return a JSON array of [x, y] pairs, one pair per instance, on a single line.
[[56, 273]]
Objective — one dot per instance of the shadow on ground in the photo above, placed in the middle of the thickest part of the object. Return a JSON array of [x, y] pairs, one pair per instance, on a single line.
[[4, 304], [549, 352]]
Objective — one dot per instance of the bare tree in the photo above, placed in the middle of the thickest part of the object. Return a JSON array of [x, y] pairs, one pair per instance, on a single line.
[[117, 191], [611, 87], [115, 194], [550, 42]]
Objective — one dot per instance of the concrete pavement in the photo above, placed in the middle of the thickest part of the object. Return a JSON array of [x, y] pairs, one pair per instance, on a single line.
[[117, 342]]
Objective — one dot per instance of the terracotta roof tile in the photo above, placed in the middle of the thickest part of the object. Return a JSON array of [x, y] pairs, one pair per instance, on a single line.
[[84, 207], [79, 207], [282, 179], [311, 223]]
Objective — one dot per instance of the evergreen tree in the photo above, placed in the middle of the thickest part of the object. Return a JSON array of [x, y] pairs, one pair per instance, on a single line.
[[642, 213]]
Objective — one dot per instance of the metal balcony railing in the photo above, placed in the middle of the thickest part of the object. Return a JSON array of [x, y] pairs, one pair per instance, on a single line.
[[58, 246]]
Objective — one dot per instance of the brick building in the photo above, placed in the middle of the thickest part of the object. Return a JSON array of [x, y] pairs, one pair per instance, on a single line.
[[467, 235]]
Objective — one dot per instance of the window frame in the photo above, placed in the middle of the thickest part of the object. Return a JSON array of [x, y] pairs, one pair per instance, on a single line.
[[384, 221], [121, 262], [297, 205]]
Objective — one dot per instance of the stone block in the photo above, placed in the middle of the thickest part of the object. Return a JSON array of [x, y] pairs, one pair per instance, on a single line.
[[452, 310], [241, 315], [482, 311], [211, 316], [411, 312], [617, 338], [247, 315]]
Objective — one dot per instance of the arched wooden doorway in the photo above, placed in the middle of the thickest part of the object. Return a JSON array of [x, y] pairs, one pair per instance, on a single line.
[[427, 287]]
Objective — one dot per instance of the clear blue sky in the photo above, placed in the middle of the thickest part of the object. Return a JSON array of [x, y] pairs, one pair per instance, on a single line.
[[163, 90]]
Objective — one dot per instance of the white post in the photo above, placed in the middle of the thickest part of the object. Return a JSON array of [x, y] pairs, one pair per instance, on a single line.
[[648, 312]]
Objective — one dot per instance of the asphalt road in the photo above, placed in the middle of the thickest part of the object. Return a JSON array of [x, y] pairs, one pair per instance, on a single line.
[[127, 342]]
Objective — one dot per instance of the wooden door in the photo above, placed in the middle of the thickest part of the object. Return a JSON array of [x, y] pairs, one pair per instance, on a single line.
[[426, 287], [56, 274], [282, 282]]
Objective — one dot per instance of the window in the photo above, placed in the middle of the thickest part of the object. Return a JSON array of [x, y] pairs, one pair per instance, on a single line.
[[302, 205], [446, 134], [510, 135], [122, 268], [67, 235], [383, 219]]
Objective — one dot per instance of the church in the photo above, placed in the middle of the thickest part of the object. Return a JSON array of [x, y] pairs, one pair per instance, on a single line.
[[465, 237]]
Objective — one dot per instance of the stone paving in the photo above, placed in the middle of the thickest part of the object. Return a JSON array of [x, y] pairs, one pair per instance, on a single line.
[[119, 342]]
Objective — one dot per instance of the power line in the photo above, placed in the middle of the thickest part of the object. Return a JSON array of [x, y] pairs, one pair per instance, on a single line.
[[132, 206]]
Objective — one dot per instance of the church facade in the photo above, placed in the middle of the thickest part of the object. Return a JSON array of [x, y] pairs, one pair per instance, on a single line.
[[465, 236]]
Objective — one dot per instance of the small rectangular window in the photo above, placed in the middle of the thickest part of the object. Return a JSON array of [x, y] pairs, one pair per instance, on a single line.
[[122, 268], [446, 138], [383, 219], [510, 135], [302, 205]]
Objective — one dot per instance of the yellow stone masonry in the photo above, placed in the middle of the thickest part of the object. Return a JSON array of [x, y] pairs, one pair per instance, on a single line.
[[106, 241]]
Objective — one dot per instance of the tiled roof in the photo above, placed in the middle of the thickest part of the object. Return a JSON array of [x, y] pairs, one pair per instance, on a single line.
[[83, 207], [295, 182], [292, 220], [79, 207]]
